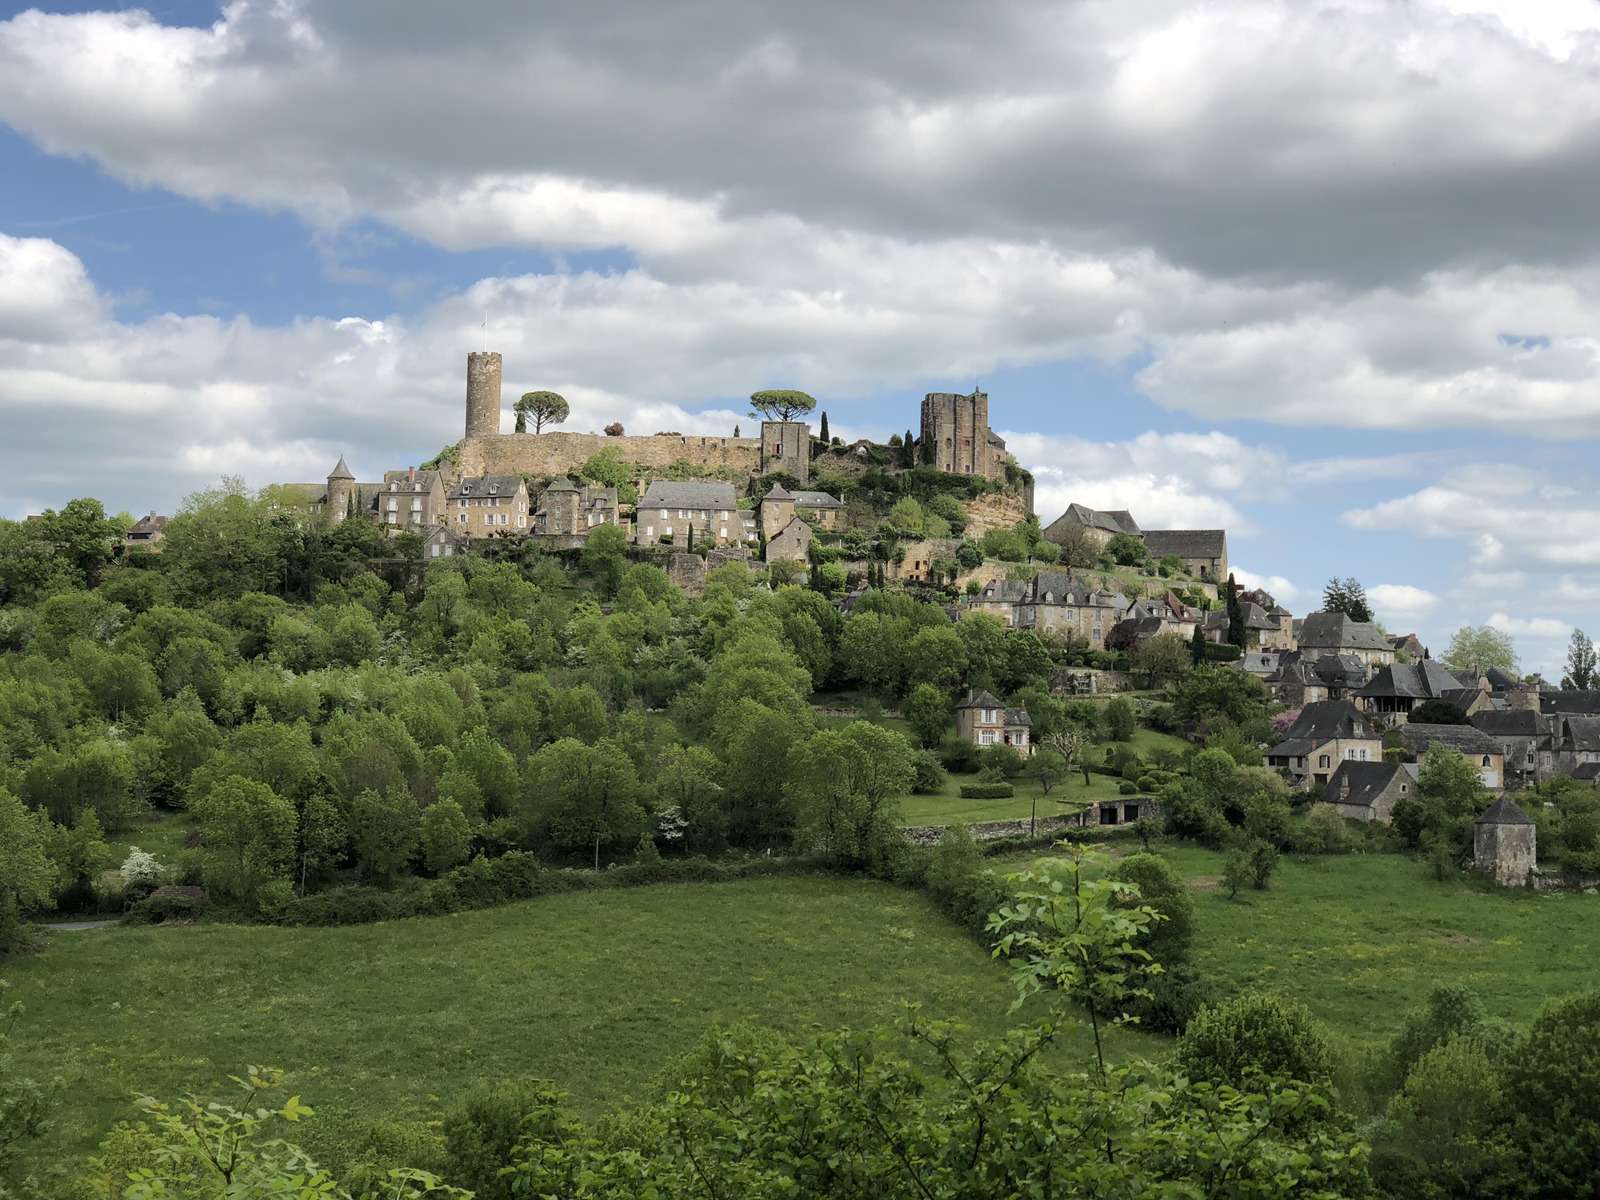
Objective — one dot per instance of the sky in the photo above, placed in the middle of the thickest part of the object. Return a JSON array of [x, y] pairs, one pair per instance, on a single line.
[[1323, 272]]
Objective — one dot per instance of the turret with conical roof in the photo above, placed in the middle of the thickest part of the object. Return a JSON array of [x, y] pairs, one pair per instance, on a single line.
[[340, 485], [1503, 843]]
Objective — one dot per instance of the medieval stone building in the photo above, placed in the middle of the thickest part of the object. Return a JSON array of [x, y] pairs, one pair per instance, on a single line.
[[956, 436], [1503, 844]]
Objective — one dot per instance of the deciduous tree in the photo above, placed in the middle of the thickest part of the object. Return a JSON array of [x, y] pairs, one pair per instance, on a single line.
[[1479, 648]]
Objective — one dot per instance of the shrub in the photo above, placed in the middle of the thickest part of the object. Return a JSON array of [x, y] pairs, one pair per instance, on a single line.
[[1449, 1121], [1552, 1083], [927, 775], [1255, 1034], [141, 872], [483, 1129], [1127, 788], [1235, 872], [961, 757], [1263, 862], [1120, 720], [987, 791], [1327, 826]]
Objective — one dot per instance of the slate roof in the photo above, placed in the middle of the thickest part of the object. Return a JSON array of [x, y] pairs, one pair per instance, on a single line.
[[1501, 681], [1018, 716], [487, 485], [1187, 543], [341, 471], [1463, 698], [1014, 591], [1465, 738], [779, 492], [1587, 703], [816, 500], [1260, 663], [146, 528], [1580, 733], [1113, 521], [1589, 772], [1291, 748], [1367, 780], [1425, 680], [1340, 670], [422, 483], [669, 494], [980, 699], [1504, 811], [1336, 631], [1519, 723], [1329, 719]]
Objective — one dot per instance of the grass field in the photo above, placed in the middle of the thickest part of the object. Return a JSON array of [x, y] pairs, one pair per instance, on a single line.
[[1361, 938], [946, 805], [596, 990]]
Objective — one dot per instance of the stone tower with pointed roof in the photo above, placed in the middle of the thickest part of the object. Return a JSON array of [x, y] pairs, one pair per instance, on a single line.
[[777, 510], [341, 485], [1503, 844]]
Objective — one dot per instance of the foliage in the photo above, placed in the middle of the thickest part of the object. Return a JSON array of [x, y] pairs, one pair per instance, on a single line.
[[445, 836], [1479, 648], [987, 791], [249, 836], [845, 785], [1349, 597], [1438, 712], [1583, 669], [1551, 1083], [781, 405], [1126, 550], [1328, 828], [1255, 1035], [1449, 1120], [1120, 720], [927, 711], [546, 408], [1162, 658], [1209, 691]]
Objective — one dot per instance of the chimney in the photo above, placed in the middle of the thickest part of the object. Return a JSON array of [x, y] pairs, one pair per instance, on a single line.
[[411, 474], [1344, 786], [152, 512]]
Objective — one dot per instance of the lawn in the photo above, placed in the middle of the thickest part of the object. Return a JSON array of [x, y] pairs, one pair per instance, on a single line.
[[1361, 938], [946, 805], [596, 990]]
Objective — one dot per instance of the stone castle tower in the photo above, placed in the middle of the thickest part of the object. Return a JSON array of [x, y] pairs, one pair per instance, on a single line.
[[786, 446], [340, 485], [483, 393], [956, 436], [1503, 843]]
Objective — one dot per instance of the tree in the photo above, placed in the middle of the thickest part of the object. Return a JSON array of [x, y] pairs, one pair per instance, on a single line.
[[1346, 596], [846, 785], [1582, 665], [1162, 888], [546, 408], [1120, 720], [1127, 550], [822, 431], [1162, 658], [1478, 649], [1046, 768], [384, 829], [605, 557], [688, 782], [249, 836], [1210, 691], [1255, 1033], [1449, 1119], [1235, 872], [1551, 1081], [445, 836], [1078, 546], [781, 405], [584, 797], [27, 875], [1438, 712], [927, 711], [1236, 629]]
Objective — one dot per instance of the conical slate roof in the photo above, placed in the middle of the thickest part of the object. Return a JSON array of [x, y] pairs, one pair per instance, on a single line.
[[779, 492], [561, 484], [341, 471], [1504, 812]]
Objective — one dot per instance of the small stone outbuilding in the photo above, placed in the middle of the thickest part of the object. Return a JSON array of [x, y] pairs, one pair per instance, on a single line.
[[1504, 843]]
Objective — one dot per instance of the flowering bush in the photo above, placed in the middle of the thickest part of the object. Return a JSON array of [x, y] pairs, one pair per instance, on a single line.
[[141, 870]]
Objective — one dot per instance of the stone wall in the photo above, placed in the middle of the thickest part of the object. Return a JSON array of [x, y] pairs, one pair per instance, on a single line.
[[547, 455]]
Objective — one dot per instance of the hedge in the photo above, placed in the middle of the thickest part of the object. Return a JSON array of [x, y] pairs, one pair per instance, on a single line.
[[518, 875], [1222, 652], [987, 791]]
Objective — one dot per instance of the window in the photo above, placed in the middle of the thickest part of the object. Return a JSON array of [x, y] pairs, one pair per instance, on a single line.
[[649, 531], [1323, 760], [986, 738], [393, 518], [988, 716], [724, 532], [416, 506], [392, 506], [663, 514], [1486, 761]]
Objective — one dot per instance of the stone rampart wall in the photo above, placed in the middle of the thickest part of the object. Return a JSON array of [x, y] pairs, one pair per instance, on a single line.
[[550, 454]]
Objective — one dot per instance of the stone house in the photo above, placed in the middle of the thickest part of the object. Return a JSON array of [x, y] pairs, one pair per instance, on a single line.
[[1204, 551], [444, 542], [1367, 791], [1100, 526], [148, 531], [1117, 812], [1057, 602], [792, 541], [411, 499], [566, 508], [1262, 629], [1000, 599], [490, 504], [984, 721], [1170, 614], [671, 509], [1396, 689], [1478, 747], [1302, 678], [1335, 633], [1324, 735], [1524, 738], [786, 447], [1410, 645], [1575, 744], [1504, 844], [780, 506]]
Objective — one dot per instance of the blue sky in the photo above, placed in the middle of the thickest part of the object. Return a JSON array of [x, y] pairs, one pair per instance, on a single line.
[[1323, 272]]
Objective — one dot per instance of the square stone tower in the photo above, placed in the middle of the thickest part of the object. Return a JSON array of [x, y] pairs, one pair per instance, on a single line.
[[786, 446], [1503, 845], [957, 429]]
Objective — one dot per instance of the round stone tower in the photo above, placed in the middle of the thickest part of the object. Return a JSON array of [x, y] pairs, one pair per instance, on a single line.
[[483, 393]]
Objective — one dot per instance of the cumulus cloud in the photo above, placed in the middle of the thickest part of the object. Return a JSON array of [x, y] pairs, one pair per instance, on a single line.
[[1281, 589], [1508, 528], [1538, 627], [1400, 603], [1363, 211]]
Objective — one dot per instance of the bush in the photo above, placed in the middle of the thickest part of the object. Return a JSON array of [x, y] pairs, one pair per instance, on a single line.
[[1255, 1034], [1552, 1084], [961, 757], [1127, 788], [481, 1132], [928, 775], [156, 909], [987, 791], [1328, 830], [1221, 652], [1120, 720]]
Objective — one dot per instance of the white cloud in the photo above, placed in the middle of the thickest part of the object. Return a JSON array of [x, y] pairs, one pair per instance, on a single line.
[[1309, 212], [1538, 627], [1398, 604], [1507, 528], [1281, 590]]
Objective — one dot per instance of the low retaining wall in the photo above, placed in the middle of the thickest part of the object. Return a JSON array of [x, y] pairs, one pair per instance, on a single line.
[[987, 831]]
